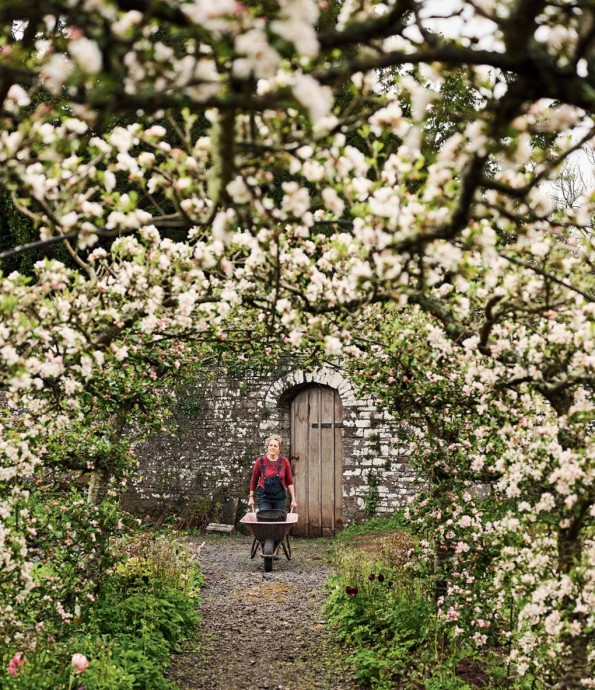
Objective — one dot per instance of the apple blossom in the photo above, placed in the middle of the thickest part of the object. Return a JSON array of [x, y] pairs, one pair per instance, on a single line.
[[330, 217]]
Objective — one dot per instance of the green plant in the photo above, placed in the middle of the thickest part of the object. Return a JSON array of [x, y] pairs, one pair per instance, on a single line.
[[375, 525], [161, 558], [191, 398], [377, 667], [380, 605], [382, 616], [446, 680], [372, 496], [145, 604], [197, 514]]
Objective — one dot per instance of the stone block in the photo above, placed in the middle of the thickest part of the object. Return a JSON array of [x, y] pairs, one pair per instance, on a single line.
[[219, 528], [363, 423]]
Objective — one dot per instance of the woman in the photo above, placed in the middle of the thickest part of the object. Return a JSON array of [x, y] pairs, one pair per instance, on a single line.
[[268, 466]]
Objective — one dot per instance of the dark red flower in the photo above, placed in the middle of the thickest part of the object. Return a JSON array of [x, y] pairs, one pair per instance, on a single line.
[[351, 591], [380, 577], [372, 577]]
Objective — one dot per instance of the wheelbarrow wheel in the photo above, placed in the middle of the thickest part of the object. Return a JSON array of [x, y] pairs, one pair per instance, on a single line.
[[268, 551]]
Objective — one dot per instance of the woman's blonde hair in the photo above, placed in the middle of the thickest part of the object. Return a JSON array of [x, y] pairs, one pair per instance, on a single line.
[[274, 437]]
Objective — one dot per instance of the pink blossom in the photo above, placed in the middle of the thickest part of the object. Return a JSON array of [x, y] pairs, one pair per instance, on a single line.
[[13, 665], [465, 521], [80, 662]]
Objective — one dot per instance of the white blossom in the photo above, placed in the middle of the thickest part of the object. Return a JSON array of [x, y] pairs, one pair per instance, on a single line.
[[87, 54]]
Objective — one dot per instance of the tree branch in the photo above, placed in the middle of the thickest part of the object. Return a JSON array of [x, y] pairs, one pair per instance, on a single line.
[[393, 22]]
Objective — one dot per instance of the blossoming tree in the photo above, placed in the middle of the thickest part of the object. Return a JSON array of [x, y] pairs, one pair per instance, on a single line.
[[307, 182]]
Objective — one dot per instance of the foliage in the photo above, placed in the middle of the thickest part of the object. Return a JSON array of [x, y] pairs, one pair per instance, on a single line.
[[381, 607], [388, 524], [143, 607], [15, 229], [372, 496], [470, 442], [70, 540]]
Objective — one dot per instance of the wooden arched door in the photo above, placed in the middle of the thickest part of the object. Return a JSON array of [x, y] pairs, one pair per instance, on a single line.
[[317, 460]]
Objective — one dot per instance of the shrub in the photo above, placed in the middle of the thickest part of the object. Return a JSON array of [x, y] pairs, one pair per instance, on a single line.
[[382, 609], [143, 607]]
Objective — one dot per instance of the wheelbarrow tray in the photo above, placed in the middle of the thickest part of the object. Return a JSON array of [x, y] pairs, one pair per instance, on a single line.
[[269, 537], [269, 530]]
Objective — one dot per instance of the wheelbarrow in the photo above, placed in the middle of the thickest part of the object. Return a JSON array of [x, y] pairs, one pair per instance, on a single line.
[[270, 537]]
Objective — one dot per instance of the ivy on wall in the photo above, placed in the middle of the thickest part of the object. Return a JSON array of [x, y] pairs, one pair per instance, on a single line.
[[372, 496]]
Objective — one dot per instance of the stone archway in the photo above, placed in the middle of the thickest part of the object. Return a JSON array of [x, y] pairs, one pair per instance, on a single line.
[[308, 407]]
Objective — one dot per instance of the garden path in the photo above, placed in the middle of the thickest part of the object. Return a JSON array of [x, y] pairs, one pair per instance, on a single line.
[[262, 631]]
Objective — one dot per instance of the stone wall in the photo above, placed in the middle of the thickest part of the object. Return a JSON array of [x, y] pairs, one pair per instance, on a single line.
[[202, 470]]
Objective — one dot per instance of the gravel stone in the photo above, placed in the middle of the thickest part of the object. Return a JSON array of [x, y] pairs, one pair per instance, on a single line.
[[262, 631]]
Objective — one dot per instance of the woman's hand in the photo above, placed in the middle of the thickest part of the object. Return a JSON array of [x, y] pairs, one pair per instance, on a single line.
[[293, 503], [251, 501]]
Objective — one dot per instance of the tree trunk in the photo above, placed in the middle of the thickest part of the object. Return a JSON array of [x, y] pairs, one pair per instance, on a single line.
[[441, 483], [101, 475], [98, 485], [441, 558], [574, 664]]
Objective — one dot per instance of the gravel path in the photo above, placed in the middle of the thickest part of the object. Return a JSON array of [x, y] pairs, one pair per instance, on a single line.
[[262, 631]]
